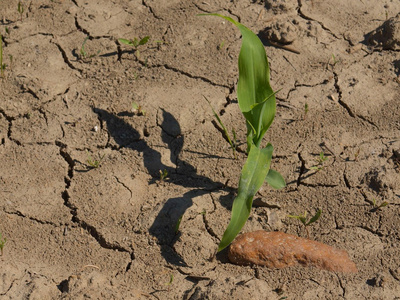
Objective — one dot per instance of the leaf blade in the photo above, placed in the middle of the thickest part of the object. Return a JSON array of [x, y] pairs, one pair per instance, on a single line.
[[252, 177]]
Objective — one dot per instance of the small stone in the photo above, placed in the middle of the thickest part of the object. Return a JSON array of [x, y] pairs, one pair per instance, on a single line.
[[280, 250]]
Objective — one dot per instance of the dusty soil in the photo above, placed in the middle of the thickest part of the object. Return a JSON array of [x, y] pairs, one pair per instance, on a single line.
[[77, 232]]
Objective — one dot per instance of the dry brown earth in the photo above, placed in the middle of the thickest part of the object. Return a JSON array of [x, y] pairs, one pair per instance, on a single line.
[[75, 232]]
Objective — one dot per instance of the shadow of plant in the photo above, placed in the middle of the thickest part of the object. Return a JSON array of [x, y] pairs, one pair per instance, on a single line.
[[163, 227]]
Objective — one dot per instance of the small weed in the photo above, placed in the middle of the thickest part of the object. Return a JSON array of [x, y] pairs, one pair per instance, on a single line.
[[221, 46], [377, 207], [303, 219], [320, 162], [83, 54], [171, 280], [2, 243], [178, 224], [232, 142], [137, 109], [135, 43], [20, 9], [94, 163], [163, 174], [305, 110]]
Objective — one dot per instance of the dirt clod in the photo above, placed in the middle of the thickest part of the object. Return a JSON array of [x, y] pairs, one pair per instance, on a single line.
[[280, 250], [387, 36]]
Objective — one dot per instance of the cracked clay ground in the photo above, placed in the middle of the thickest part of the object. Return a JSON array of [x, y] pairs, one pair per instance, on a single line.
[[76, 232]]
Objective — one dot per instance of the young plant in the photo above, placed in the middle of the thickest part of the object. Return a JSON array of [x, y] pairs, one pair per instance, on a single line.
[[305, 110], [232, 142], [20, 9], [320, 162], [137, 109], [135, 43], [83, 54], [163, 174], [377, 207], [258, 105], [94, 163], [2, 243], [303, 219]]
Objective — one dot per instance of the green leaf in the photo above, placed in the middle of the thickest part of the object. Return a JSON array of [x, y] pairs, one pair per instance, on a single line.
[[315, 218], [275, 179], [144, 40], [253, 174], [126, 42], [253, 86]]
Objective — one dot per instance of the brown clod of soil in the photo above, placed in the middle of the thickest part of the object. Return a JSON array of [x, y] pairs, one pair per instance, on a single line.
[[280, 250], [387, 36]]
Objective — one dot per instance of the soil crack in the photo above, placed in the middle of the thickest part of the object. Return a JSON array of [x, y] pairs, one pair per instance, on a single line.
[[65, 57], [125, 186], [148, 6], [302, 15], [20, 214], [184, 73]]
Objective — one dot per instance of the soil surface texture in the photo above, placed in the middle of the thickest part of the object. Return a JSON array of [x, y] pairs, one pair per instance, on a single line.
[[83, 207]]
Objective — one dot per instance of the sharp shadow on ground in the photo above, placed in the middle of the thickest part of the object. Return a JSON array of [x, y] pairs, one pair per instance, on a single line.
[[163, 227]]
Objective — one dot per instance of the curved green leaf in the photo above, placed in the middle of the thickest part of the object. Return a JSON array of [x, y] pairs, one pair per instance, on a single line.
[[253, 174], [275, 179], [253, 86]]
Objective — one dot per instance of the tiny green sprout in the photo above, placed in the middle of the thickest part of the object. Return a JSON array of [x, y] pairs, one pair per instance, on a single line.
[[305, 110], [137, 109], [135, 43], [203, 212], [178, 224], [163, 174], [171, 280], [7, 30], [94, 163], [232, 142], [83, 53], [303, 219], [20, 9], [2, 243], [221, 45], [320, 162], [377, 207]]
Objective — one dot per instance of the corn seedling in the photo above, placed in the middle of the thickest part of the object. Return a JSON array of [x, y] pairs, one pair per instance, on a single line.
[[163, 174], [320, 162], [83, 54], [135, 43], [178, 224], [137, 109], [2, 243], [258, 105], [20, 9], [377, 207], [303, 219], [94, 163], [232, 142], [2, 65]]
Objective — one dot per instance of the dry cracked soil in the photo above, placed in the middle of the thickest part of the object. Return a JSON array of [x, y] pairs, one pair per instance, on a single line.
[[75, 231]]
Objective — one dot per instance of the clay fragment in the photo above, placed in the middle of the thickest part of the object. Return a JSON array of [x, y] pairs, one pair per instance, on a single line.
[[280, 250]]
